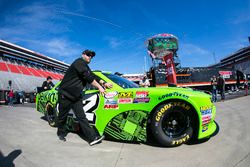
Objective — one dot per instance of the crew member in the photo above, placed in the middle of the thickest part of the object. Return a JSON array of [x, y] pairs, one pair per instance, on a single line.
[[246, 86], [48, 84], [11, 96], [214, 88], [221, 86], [70, 96], [144, 82]]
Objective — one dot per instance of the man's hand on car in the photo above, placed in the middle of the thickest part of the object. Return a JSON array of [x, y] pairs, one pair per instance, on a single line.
[[102, 91], [108, 85]]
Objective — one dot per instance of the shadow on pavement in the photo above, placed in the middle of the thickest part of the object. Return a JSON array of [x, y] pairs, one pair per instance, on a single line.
[[200, 141], [8, 161], [152, 142], [44, 118], [107, 138], [217, 129]]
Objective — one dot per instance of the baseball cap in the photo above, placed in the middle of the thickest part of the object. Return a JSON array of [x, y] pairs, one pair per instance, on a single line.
[[89, 53]]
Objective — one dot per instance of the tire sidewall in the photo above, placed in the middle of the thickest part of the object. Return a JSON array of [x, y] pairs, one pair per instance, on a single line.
[[157, 122], [53, 122]]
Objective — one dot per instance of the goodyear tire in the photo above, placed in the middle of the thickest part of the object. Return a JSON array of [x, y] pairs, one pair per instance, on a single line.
[[51, 114], [171, 124]]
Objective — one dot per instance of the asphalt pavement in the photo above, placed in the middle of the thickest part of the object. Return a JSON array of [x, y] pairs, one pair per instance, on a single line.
[[26, 140]]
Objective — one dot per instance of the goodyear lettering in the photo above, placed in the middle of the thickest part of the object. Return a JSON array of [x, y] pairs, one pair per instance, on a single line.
[[166, 107], [125, 95], [162, 111], [176, 94], [181, 104], [180, 141]]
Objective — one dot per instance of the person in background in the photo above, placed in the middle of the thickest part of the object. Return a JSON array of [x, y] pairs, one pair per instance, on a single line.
[[144, 82], [21, 94], [70, 96], [11, 96], [246, 86], [48, 84], [214, 88], [221, 86]]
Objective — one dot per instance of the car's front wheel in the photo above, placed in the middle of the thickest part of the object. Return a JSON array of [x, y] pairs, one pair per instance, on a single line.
[[171, 123], [51, 114]]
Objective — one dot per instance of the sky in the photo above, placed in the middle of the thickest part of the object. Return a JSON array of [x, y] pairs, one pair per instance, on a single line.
[[208, 30]]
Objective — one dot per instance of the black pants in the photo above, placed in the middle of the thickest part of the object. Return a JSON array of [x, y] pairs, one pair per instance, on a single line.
[[222, 92], [65, 105]]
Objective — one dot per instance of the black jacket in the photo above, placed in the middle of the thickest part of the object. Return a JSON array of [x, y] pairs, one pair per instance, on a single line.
[[76, 78], [47, 86]]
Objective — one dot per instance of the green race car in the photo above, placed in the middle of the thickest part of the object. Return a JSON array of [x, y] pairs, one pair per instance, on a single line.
[[127, 112]]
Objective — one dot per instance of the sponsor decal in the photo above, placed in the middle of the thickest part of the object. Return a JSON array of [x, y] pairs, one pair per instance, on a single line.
[[226, 74], [177, 142], [206, 108], [176, 94], [161, 112], [204, 128], [110, 95], [206, 115], [125, 100], [110, 101], [125, 95], [141, 94], [141, 100], [111, 106]]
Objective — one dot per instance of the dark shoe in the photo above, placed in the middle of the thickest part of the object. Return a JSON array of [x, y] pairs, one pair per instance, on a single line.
[[97, 140], [62, 138], [62, 132]]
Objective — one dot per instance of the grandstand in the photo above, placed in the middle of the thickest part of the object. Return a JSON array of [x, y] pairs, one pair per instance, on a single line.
[[133, 77], [240, 61], [24, 70]]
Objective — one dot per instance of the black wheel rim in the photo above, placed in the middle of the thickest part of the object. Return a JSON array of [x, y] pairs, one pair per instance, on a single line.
[[174, 124]]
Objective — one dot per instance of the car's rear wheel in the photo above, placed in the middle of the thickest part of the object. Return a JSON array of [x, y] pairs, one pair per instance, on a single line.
[[51, 114], [171, 123]]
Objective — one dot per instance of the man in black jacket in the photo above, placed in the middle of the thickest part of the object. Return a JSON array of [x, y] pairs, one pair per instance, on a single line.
[[221, 86], [70, 96], [48, 84]]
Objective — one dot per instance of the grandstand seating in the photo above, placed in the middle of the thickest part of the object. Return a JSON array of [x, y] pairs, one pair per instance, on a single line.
[[13, 68], [23, 77], [21, 82], [34, 72], [3, 66], [42, 73], [24, 70], [20, 69]]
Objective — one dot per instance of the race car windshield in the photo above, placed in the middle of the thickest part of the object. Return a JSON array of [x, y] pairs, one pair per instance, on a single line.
[[124, 83]]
